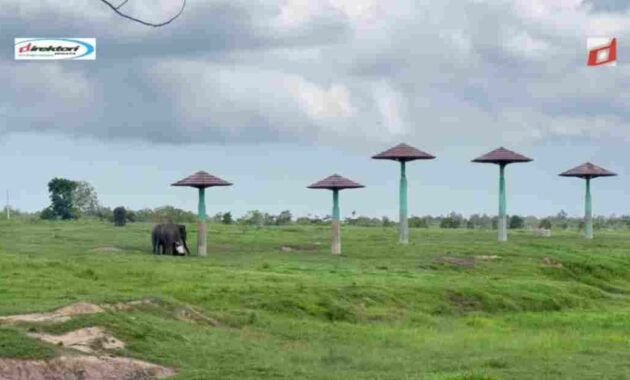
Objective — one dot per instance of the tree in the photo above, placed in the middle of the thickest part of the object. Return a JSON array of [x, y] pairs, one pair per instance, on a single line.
[[545, 224], [86, 199], [418, 222], [453, 220], [120, 216], [516, 222], [252, 218], [62, 200], [116, 9], [227, 218], [284, 218]]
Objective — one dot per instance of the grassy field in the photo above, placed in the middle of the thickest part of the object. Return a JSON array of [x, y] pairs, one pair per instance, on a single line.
[[440, 308]]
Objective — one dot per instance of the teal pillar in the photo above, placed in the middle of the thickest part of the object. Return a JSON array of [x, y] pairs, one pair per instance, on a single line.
[[202, 247], [588, 211], [201, 209], [502, 205], [336, 225], [403, 222]]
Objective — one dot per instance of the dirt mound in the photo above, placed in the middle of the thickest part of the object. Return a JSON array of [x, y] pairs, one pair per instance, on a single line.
[[59, 315], [67, 312], [81, 368], [126, 306], [88, 340], [551, 263], [487, 257]]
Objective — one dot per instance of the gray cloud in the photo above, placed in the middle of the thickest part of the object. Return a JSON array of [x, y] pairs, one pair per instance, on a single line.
[[337, 71]]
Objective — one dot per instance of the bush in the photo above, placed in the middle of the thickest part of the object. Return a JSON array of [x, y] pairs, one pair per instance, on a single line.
[[545, 224], [120, 216], [417, 222], [516, 222], [227, 218], [452, 221]]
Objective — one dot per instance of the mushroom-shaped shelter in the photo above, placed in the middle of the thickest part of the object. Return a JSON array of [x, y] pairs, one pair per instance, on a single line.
[[201, 180], [336, 183], [588, 171], [502, 157], [403, 153]]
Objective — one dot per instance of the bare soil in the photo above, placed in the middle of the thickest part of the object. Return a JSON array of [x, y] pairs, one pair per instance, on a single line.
[[81, 368], [88, 340]]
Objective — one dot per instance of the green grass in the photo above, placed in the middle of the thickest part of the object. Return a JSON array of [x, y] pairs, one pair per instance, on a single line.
[[380, 311]]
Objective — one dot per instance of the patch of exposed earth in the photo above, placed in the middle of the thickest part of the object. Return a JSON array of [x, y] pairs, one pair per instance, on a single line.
[[81, 368], [93, 344], [89, 340], [59, 315]]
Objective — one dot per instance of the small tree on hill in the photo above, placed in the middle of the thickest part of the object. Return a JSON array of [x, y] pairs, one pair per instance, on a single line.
[[120, 216], [454, 220], [62, 206], [284, 218], [86, 199], [545, 224], [227, 218], [516, 222]]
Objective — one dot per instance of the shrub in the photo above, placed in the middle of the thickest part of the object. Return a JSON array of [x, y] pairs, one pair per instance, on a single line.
[[227, 218], [516, 222], [545, 223]]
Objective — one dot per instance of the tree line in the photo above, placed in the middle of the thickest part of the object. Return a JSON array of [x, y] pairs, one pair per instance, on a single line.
[[71, 200]]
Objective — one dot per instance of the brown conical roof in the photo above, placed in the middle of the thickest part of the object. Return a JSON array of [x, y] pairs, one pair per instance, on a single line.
[[588, 170], [502, 156], [202, 179], [403, 152], [335, 182]]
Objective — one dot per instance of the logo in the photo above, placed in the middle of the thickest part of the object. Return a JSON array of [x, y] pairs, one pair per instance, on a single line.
[[55, 48], [602, 51]]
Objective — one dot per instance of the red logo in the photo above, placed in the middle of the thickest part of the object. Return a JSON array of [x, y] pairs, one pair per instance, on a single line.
[[602, 51], [25, 48]]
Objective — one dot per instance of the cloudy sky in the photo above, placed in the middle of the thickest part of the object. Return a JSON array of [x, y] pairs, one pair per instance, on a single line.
[[276, 94]]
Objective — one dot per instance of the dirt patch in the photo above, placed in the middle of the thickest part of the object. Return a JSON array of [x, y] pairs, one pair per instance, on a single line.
[[299, 247], [551, 263], [464, 262], [464, 303], [88, 340], [82, 368], [126, 306], [59, 315], [67, 312], [488, 257]]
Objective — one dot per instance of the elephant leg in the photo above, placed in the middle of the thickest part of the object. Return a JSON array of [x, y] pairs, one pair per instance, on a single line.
[[168, 248]]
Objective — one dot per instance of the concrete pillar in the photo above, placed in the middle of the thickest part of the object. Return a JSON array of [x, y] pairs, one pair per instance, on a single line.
[[502, 205], [403, 222], [588, 212], [336, 225], [202, 249]]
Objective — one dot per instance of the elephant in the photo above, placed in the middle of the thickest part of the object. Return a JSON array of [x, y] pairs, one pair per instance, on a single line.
[[169, 239]]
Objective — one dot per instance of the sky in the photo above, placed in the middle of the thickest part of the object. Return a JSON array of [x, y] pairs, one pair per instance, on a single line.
[[274, 95]]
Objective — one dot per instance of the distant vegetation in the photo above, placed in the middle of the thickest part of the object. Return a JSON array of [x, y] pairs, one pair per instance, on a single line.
[[78, 199]]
